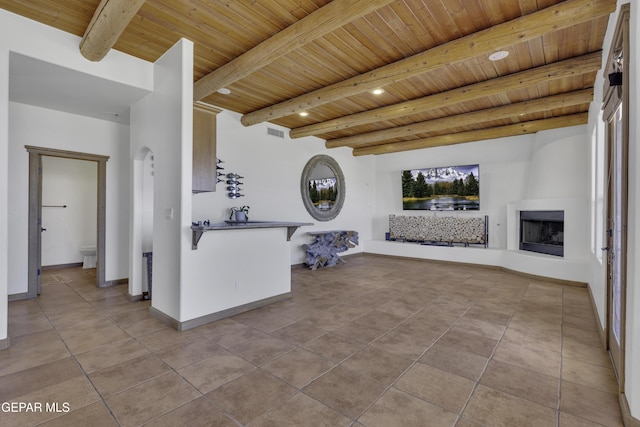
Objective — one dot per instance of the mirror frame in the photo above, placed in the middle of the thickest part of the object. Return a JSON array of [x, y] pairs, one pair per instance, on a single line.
[[322, 215]]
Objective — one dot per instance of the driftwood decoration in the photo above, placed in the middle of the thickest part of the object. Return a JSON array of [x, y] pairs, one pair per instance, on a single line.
[[328, 244]]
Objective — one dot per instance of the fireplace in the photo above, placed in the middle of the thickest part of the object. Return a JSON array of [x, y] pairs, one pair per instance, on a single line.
[[542, 232]]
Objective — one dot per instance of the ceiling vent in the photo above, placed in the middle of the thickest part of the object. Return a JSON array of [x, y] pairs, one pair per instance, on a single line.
[[275, 132]]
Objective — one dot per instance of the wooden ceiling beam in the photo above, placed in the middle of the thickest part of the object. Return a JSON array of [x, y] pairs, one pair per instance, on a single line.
[[329, 18], [107, 24], [558, 70], [467, 119], [476, 135], [562, 15]]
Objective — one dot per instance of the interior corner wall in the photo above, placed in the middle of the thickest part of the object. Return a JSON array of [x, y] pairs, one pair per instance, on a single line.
[[158, 123], [559, 164]]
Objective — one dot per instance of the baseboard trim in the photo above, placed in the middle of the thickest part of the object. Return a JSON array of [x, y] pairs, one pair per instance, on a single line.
[[488, 267], [601, 331], [135, 298], [20, 296], [61, 266], [167, 320], [109, 283], [5, 343], [563, 282], [203, 320], [627, 419]]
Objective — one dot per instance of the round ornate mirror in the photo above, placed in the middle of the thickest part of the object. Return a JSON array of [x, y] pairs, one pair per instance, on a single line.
[[322, 188]]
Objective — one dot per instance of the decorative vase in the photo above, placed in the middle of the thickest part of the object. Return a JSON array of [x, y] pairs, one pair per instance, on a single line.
[[241, 216]]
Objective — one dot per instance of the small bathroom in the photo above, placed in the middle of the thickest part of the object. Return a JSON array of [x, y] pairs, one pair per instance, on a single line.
[[69, 213]]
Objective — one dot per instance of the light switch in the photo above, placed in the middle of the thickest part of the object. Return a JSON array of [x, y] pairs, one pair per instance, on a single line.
[[169, 213]]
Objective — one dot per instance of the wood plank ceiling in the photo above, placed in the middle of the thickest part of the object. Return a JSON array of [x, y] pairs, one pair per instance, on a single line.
[[279, 58]]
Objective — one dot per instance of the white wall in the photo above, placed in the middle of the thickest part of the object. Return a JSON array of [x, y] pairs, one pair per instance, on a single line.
[[272, 169], [237, 267], [73, 184], [53, 129], [547, 171], [232, 268], [161, 122], [559, 160], [45, 43], [504, 173]]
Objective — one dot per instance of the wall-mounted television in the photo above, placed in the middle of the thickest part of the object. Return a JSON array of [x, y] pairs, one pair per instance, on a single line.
[[448, 188]]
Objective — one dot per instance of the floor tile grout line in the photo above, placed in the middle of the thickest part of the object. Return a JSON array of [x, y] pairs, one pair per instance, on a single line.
[[559, 406], [72, 355], [409, 367], [419, 356], [148, 380], [86, 374], [560, 379], [370, 344], [484, 369], [489, 359]]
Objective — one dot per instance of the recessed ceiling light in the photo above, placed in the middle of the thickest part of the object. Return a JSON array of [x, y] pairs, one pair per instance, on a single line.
[[378, 91], [304, 113], [224, 91], [496, 56]]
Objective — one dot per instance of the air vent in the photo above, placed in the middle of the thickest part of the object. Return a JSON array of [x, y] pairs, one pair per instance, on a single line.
[[275, 132]]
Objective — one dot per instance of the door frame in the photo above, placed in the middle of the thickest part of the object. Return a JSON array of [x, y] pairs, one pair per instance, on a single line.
[[614, 97], [35, 212]]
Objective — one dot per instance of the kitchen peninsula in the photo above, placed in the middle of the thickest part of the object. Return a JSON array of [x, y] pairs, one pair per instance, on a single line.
[[237, 267]]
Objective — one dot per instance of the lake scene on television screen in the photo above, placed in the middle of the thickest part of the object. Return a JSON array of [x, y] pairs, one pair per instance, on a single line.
[[323, 192], [449, 188]]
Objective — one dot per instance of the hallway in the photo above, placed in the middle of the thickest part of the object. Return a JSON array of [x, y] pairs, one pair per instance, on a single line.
[[378, 341]]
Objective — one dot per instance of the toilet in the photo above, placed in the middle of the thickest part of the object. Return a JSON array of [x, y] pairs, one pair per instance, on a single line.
[[89, 254]]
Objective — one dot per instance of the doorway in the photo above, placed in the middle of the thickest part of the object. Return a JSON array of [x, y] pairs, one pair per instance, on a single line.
[[616, 116], [35, 213], [69, 213]]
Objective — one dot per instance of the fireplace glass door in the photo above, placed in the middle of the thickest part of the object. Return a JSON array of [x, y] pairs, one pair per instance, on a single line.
[[542, 232]]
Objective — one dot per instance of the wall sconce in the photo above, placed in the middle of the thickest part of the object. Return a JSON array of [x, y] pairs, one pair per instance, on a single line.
[[615, 78]]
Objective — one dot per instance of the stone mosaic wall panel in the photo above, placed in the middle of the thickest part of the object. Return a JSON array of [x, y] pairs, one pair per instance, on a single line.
[[438, 229]]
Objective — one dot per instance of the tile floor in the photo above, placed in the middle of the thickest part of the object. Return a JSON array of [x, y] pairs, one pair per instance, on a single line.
[[377, 341]]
